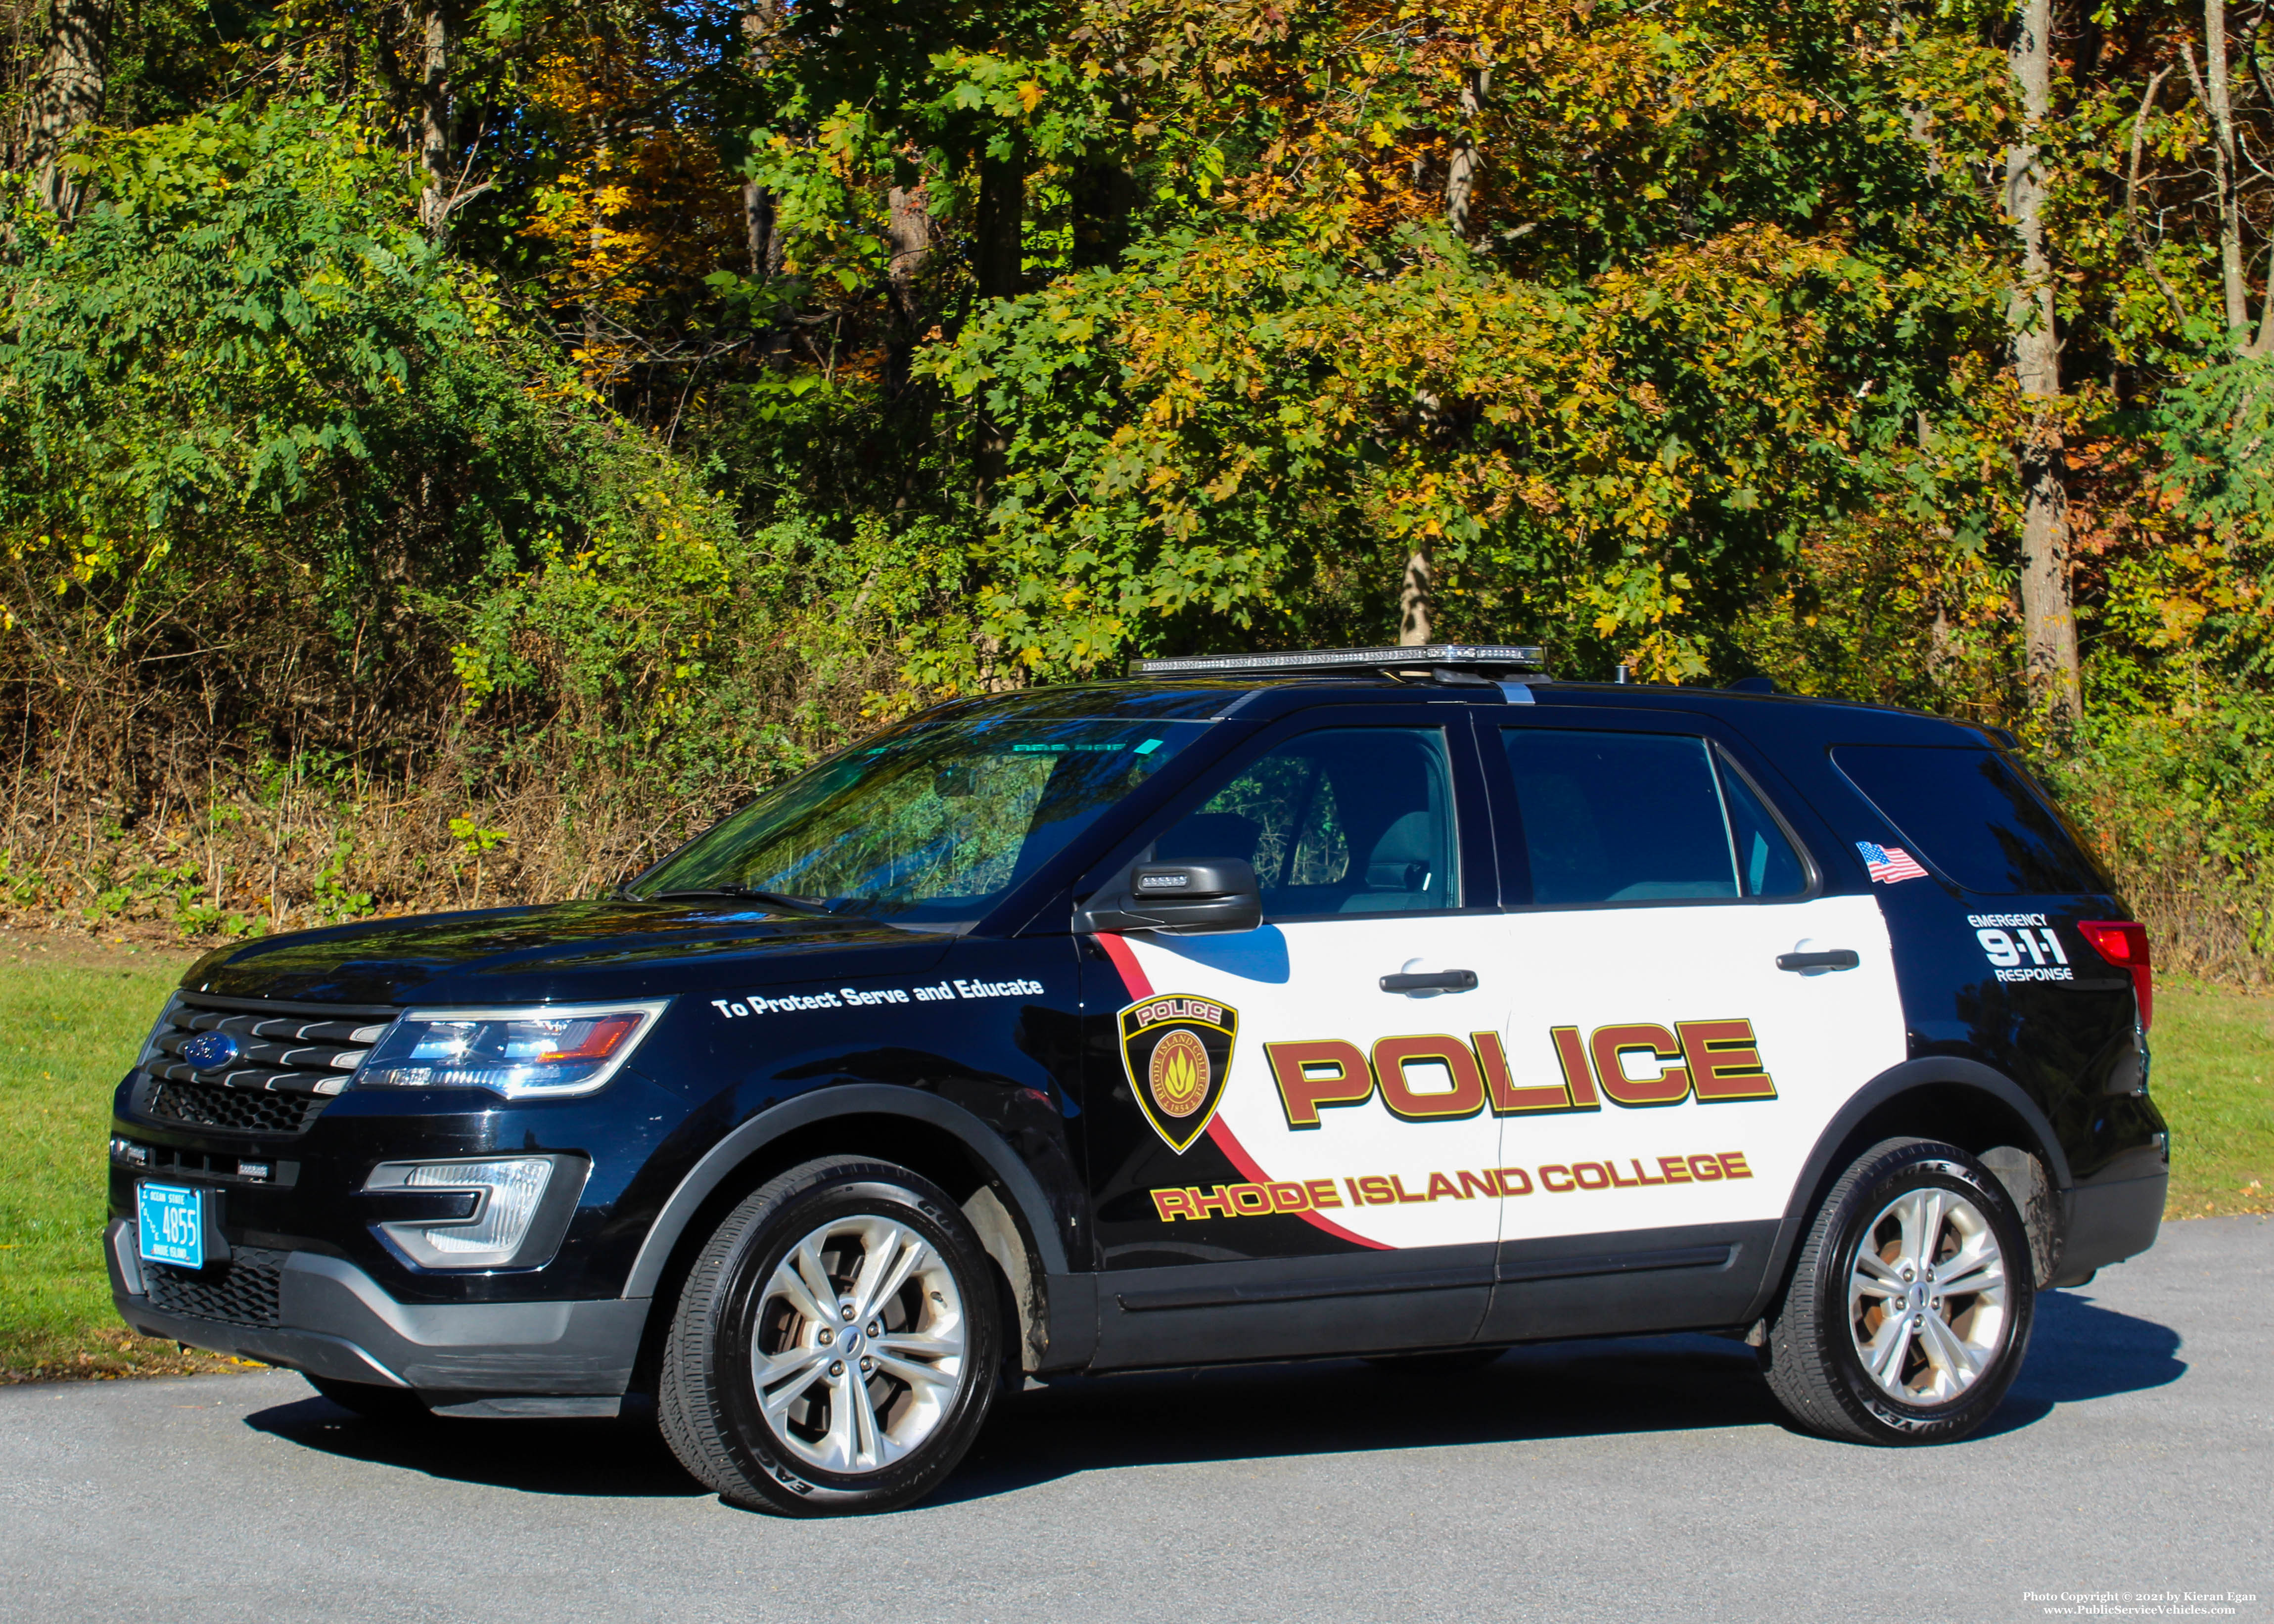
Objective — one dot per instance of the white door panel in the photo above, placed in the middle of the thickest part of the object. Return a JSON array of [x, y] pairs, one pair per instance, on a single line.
[[1519, 1109], [1660, 1163]]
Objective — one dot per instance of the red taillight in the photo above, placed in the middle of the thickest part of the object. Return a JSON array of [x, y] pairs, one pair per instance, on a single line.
[[2124, 944]]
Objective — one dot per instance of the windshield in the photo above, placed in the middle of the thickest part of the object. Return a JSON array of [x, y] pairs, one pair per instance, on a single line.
[[936, 822]]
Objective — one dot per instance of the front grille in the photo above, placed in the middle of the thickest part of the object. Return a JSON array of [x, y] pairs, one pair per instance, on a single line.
[[241, 1110], [245, 1291], [293, 1059]]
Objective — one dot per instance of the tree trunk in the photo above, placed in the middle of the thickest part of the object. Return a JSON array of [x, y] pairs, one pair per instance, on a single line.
[[2226, 169], [761, 223], [998, 245], [434, 133], [2220, 103], [1414, 591], [762, 229], [1461, 171], [2050, 666], [997, 250], [1101, 195], [1413, 601], [909, 230], [597, 367], [66, 95]]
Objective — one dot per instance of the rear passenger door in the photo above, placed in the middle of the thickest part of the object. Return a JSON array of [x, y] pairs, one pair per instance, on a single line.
[[1280, 1120], [1690, 1011]]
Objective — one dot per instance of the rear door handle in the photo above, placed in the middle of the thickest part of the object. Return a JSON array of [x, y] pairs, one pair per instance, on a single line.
[[1838, 958], [1436, 981]]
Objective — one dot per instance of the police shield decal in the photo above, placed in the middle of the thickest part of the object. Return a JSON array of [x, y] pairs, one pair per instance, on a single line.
[[1177, 1050]]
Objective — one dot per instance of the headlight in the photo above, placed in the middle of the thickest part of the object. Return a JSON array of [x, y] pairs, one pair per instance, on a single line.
[[534, 1052], [482, 1213]]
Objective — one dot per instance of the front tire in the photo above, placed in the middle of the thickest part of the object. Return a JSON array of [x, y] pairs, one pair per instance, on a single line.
[[835, 1349], [1910, 1305]]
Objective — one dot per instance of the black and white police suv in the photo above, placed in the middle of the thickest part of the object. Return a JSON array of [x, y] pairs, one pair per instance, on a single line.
[[1395, 1003]]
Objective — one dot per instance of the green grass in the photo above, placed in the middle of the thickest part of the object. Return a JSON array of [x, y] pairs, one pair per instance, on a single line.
[[71, 1016], [2214, 1081]]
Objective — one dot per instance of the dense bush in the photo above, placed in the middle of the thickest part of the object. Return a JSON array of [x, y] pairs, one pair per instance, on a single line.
[[2180, 808]]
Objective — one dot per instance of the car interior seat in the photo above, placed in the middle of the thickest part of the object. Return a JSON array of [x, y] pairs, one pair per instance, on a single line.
[[1405, 869]]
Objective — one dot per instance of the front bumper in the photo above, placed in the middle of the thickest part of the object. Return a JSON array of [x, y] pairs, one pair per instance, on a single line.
[[333, 1320]]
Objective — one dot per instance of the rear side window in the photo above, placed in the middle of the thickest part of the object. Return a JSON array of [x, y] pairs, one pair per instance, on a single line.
[[1642, 817], [1766, 864], [1969, 815]]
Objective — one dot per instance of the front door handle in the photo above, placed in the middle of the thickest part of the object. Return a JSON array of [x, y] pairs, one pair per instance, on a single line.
[[1435, 980], [1838, 958]]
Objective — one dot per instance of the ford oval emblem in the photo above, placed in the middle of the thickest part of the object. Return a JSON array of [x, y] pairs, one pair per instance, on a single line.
[[209, 1051]]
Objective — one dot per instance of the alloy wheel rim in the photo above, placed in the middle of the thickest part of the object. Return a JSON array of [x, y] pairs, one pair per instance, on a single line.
[[1928, 1299], [860, 1345]]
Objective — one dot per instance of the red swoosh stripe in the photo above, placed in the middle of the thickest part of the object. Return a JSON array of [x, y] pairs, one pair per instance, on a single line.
[[1219, 1131]]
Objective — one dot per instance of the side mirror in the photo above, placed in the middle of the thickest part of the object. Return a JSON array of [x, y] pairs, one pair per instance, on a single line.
[[1181, 896]]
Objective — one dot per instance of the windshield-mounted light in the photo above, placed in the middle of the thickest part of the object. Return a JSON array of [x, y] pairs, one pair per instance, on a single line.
[[533, 1052]]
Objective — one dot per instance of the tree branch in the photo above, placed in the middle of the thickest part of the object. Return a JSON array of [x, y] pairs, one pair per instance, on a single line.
[[2132, 199]]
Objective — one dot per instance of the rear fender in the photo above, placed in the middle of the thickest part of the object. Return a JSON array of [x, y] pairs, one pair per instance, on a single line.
[[1926, 1086]]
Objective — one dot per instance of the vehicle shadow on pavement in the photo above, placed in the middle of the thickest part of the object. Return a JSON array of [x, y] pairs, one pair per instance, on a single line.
[[1549, 1390], [2081, 1350], [2078, 1351], [608, 1458]]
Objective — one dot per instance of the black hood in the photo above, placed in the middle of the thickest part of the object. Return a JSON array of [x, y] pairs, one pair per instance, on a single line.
[[561, 953]]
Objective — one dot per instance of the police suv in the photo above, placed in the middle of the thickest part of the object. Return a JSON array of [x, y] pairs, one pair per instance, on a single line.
[[1394, 1002]]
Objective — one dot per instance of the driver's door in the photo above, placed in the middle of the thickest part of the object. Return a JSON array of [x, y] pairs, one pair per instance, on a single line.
[[1292, 1146]]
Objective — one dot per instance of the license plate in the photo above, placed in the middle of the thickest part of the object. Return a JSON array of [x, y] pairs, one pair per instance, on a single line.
[[173, 1225]]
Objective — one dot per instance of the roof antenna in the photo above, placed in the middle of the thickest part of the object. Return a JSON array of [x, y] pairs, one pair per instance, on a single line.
[[1622, 676]]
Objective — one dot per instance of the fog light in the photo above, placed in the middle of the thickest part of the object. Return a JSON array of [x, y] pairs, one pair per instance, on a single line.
[[507, 1191]]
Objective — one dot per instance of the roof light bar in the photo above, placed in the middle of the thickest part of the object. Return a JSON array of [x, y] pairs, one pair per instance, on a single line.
[[1447, 655]]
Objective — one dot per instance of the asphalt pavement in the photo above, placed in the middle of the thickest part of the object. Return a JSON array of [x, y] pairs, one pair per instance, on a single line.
[[1639, 1479]]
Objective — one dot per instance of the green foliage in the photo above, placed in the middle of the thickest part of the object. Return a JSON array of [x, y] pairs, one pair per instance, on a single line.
[[234, 321], [1196, 437], [2217, 429], [2183, 808], [333, 902], [244, 365], [1676, 335]]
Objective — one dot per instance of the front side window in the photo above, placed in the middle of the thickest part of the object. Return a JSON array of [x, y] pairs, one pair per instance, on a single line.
[[1346, 820], [933, 823], [1643, 817]]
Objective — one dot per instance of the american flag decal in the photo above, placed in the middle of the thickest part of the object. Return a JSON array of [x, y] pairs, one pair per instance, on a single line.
[[1889, 863]]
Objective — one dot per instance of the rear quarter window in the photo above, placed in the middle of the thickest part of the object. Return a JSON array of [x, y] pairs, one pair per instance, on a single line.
[[1971, 815]]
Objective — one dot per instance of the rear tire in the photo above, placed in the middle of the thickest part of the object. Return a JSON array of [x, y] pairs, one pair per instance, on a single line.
[[835, 1347], [372, 1401], [1910, 1305]]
